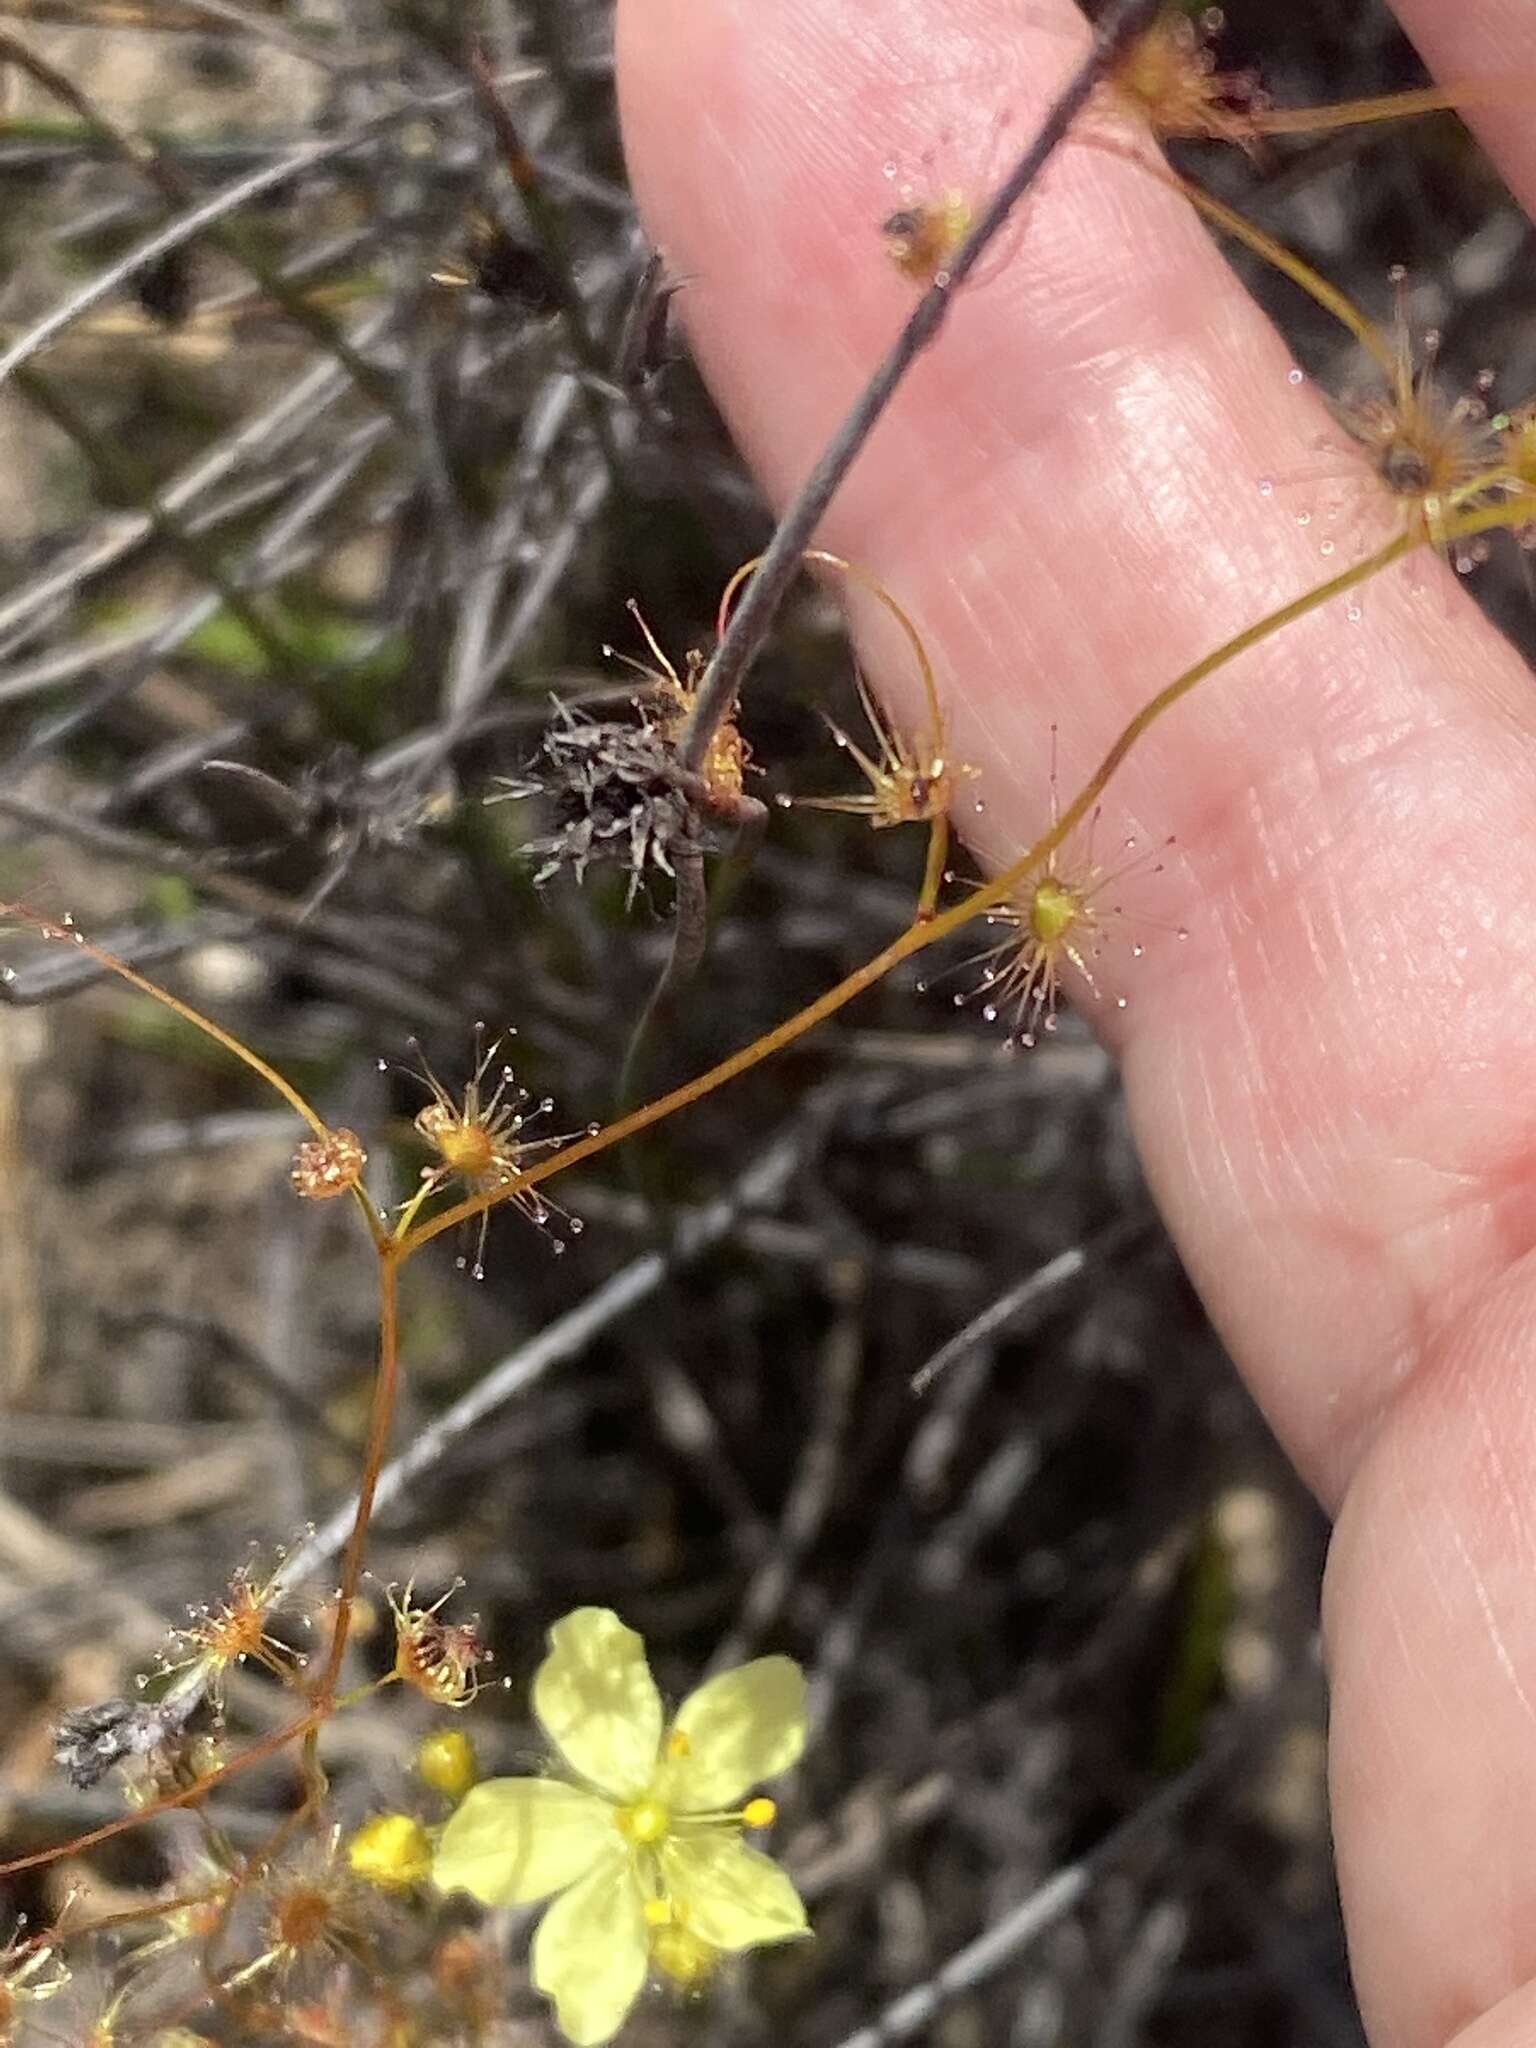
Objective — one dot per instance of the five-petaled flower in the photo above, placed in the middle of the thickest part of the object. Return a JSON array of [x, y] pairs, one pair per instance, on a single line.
[[642, 1836]]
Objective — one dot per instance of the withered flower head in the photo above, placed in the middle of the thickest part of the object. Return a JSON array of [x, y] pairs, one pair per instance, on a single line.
[[88, 1741], [619, 795], [31, 1970], [440, 1658], [313, 1911]]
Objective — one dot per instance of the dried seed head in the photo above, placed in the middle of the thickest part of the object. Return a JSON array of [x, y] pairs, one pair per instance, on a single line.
[[328, 1166], [89, 1741], [440, 1659], [618, 795]]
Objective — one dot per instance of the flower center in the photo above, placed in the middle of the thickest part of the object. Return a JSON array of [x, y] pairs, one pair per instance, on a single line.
[[647, 1820], [467, 1148], [1053, 910]]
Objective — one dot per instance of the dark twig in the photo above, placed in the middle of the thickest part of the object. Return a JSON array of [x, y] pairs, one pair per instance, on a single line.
[[781, 560], [999, 1945], [242, 1361], [286, 170], [166, 177], [690, 934], [121, 478], [814, 1486], [544, 219], [1026, 1298]]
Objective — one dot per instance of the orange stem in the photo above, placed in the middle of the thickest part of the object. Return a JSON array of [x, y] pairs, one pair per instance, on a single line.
[[921, 934], [876, 589], [386, 1388]]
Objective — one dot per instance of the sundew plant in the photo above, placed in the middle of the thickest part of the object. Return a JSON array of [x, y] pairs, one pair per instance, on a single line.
[[602, 1438]]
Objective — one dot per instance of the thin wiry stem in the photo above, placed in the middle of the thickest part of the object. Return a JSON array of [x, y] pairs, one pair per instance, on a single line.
[[690, 935], [64, 930], [1392, 106], [760, 1187], [1022, 1300], [547, 225], [760, 607], [814, 1486], [165, 177], [1300, 272], [229, 199], [120, 479], [924, 933], [386, 1387]]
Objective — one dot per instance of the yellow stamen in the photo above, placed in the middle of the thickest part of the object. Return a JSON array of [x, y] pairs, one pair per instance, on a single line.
[[678, 1745], [759, 1813]]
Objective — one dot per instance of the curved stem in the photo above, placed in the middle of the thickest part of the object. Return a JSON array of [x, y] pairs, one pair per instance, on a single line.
[[169, 1802], [933, 871], [1300, 272], [925, 933], [64, 928], [876, 589]]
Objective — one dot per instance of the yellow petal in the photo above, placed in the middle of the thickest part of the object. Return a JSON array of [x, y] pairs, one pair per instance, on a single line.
[[513, 1840], [735, 1731], [727, 1893], [598, 1703], [590, 1954]]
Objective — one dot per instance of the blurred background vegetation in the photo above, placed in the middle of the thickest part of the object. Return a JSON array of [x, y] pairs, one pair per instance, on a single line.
[[287, 495]]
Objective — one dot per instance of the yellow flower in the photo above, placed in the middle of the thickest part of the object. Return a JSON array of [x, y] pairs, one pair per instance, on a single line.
[[646, 1842]]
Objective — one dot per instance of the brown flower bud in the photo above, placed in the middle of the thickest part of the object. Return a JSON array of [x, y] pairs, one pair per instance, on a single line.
[[328, 1166]]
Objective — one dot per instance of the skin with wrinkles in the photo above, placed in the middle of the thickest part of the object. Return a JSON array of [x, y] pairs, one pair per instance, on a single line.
[[1334, 1077]]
